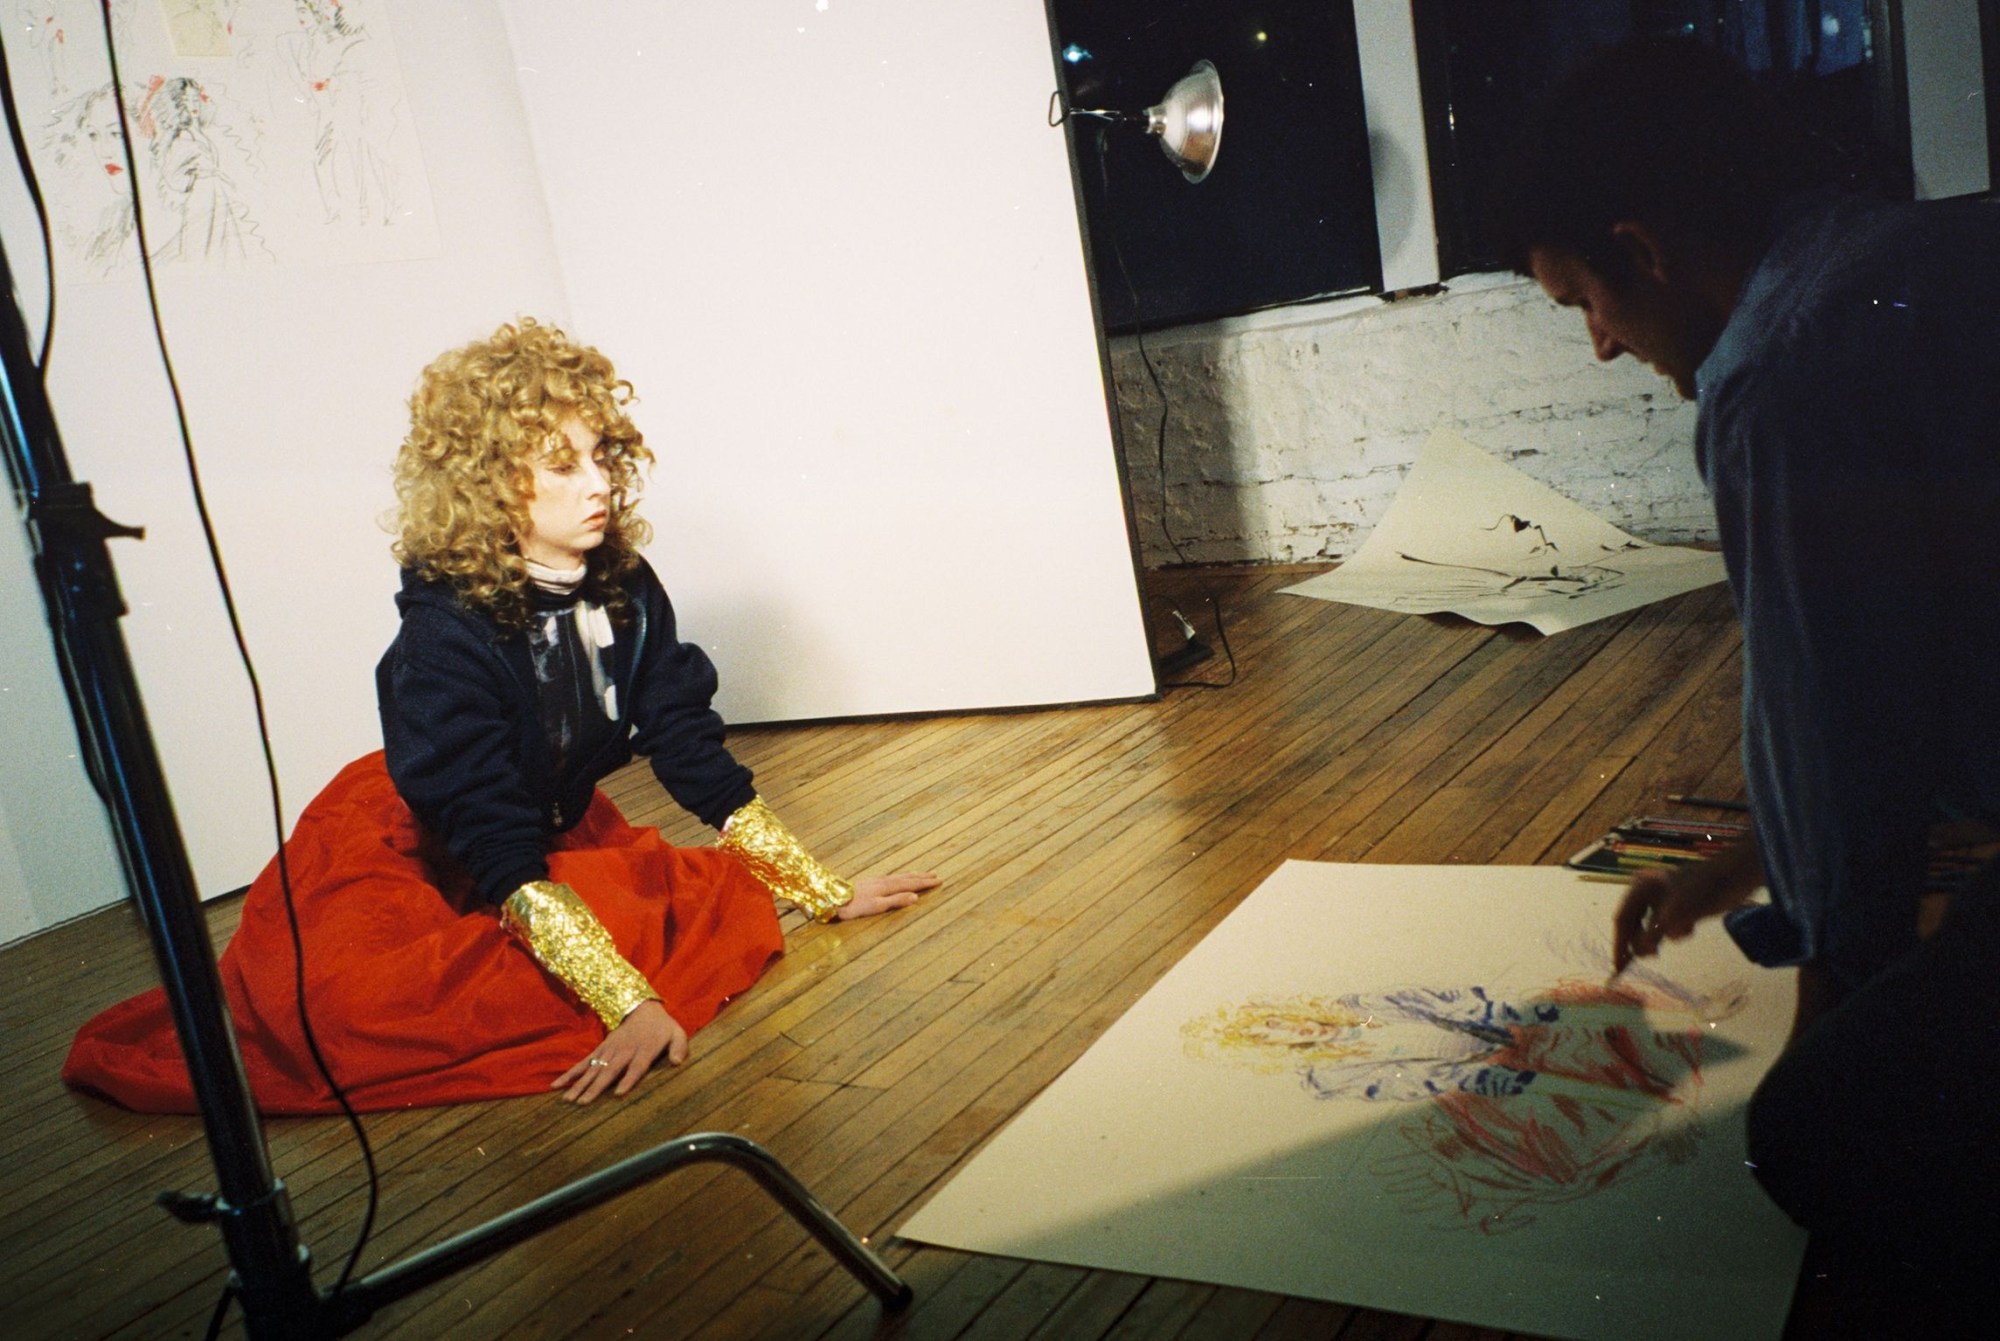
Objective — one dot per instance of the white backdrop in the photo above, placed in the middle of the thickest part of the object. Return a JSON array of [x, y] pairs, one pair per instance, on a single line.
[[835, 247], [887, 484]]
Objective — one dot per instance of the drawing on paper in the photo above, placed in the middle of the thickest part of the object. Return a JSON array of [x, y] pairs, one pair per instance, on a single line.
[[55, 31], [265, 131], [330, 60], [1470, 535], [1408, 1088], [190, 159], [1516, 1101], [1567, 581], [194, 156], [91, 206], [43, 30]]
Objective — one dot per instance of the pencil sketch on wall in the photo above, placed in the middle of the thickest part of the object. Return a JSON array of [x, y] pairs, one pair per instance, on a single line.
[[330, 60], [265, 132]]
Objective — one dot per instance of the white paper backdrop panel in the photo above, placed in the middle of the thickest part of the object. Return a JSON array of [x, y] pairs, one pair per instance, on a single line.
[[835, 248], [1150, 1156]]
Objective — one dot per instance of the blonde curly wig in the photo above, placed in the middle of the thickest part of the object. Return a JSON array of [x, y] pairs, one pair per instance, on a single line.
[[480, 420]]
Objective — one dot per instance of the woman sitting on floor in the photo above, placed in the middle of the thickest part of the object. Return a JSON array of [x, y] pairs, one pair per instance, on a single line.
[[477, 919]]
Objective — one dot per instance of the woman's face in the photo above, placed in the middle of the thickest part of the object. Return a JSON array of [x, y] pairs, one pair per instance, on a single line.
[[571, 504]]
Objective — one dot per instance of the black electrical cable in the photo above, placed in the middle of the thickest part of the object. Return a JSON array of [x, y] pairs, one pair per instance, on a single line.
[[249, 668], [1160, 437], [34, 186]]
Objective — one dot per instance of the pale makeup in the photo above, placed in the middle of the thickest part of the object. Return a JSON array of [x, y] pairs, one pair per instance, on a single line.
[[571, 505]]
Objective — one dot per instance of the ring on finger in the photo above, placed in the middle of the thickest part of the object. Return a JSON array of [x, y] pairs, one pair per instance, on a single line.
[[598, 1061]]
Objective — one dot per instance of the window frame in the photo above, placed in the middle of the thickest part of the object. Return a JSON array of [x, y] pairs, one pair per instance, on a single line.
[[1923, 119]]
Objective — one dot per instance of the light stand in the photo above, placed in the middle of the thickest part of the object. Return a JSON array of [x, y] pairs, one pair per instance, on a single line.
[[271, 1270], [1188, 122]]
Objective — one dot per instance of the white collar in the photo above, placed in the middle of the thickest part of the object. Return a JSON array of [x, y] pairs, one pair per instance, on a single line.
[[557, 581]]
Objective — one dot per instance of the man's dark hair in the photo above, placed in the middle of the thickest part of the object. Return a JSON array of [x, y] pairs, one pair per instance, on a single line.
[[1668, 132]]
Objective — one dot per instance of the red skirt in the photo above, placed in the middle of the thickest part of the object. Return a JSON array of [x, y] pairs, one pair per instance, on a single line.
[[416, 995]]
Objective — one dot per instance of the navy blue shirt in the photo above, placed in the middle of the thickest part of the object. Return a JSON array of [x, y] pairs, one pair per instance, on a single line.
[[1849, 431]]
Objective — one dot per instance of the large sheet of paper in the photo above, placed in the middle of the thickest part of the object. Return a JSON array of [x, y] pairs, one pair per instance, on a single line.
[[1411, 1088], [1470, 535]]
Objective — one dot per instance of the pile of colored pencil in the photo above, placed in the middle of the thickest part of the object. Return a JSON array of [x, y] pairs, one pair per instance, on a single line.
[[1649, 842]]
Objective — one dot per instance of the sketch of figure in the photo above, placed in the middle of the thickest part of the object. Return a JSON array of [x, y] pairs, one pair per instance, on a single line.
[[92, 206], [1517, 542], [190, 152], [65, 32], [200, 217], [1517, 1100], [352, 121], [1568, 583], [44, 24]]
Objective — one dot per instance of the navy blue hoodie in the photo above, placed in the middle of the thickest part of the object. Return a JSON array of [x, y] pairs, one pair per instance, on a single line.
[[464, 740]]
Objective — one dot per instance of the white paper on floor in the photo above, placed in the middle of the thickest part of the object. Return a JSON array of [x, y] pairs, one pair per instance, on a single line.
[[1470, 535], [1411, 1088]]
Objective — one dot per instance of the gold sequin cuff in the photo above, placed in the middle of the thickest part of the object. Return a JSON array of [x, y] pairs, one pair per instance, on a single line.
[[567, 939], [763, 843]]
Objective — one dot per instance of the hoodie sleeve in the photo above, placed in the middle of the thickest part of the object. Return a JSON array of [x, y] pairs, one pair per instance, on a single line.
[[453, 750], [673, 722]]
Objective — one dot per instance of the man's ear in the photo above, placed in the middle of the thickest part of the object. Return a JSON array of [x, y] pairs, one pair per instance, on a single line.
[[1643, 248]]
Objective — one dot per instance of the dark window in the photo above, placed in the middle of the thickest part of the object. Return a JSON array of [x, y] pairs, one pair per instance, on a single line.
[[1485, 63], [1289, 211]]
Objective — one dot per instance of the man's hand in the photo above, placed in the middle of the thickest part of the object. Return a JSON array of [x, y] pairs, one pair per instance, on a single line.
[[626, 1054], [1669, 904], [879, 893]]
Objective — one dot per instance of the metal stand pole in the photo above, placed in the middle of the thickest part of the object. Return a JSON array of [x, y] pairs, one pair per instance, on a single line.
[[67, 534], [272, 1270]]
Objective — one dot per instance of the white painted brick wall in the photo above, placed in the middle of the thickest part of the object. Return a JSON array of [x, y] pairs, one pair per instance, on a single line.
[[1289, 432]]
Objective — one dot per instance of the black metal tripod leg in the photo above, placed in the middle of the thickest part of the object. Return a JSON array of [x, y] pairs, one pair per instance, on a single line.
[[363, 1297], [859, 1259]]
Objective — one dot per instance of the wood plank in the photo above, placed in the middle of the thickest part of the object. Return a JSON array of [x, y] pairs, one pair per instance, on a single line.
[[1305, 1320], [1162, 1309], [1093, 1307], [1231, 1313]]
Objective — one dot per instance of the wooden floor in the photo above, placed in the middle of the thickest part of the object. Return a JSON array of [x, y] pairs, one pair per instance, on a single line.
[[1084, 851]]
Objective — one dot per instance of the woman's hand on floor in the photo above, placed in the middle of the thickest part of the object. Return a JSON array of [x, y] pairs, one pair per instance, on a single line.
[[879, 893], [626, 1054]]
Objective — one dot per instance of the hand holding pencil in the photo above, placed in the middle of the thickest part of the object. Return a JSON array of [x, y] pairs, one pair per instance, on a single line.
[[1668, 904]]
